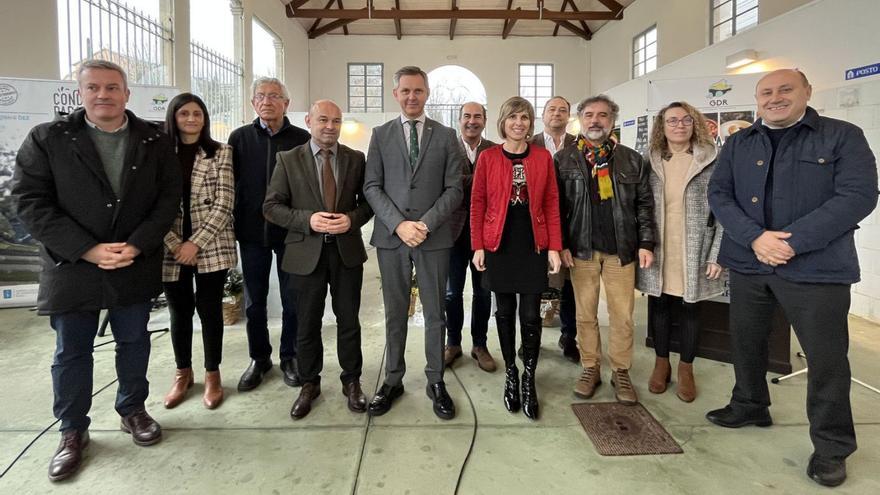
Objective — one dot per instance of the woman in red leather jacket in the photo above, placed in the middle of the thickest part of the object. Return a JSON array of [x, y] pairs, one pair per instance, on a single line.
[[515, 231]]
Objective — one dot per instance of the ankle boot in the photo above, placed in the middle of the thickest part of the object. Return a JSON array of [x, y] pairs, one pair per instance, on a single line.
[[687, 388], [660, 376], [531, 348], [213, 390], [183, 381], [507, 338], [511, 389]]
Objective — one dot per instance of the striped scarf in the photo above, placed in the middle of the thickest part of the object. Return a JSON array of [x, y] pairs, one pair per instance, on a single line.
[[598, 158]]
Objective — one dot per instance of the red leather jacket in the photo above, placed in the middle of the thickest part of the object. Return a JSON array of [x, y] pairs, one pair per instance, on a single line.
[[493, 180]]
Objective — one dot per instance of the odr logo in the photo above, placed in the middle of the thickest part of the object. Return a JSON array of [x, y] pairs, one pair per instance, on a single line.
[[716, 93], [8, 94]]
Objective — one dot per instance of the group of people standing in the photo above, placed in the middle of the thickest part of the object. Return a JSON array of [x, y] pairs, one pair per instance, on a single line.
[[121, 207]]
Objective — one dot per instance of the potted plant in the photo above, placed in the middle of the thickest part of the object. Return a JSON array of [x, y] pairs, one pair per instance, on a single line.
[[233, 293]]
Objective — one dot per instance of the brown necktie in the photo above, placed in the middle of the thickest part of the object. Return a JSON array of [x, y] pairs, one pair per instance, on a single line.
[[328, 180]]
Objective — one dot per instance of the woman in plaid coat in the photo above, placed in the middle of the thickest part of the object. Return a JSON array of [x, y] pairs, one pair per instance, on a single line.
[[200, 245]]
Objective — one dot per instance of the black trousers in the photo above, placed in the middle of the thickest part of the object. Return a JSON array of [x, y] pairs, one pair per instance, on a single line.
[[529, 315], [309, 293], [208, 301], [818, 314], [689, 330]]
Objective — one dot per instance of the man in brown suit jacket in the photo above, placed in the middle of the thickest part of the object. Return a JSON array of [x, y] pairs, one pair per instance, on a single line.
[[316, 193], [554, 138]]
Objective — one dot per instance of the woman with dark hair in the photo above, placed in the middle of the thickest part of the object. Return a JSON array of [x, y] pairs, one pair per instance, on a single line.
[[200, 246], [515, 231], [682, 155]]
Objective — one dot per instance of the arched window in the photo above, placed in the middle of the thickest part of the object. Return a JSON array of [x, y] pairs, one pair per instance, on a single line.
[[452, 85]]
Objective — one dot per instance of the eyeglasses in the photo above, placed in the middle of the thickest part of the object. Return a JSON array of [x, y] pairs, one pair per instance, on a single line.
[[270, 97], [673, 122]]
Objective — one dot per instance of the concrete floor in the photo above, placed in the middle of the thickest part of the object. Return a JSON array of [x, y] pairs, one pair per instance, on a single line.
[[250, 444]]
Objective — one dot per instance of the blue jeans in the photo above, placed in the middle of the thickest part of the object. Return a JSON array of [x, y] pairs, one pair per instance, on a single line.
[[256, 263], [74, 364], [459, 261]]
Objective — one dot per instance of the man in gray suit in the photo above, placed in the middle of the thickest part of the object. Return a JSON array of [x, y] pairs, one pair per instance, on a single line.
[[556, 114], [413, 184], [316, 193]]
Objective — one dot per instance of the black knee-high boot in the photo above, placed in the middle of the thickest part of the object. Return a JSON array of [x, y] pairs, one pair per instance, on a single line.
[[531, 338], [507, 338]]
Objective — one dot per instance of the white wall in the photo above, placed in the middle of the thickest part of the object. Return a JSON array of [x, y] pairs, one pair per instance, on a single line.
[[493, 60], [29, 39]]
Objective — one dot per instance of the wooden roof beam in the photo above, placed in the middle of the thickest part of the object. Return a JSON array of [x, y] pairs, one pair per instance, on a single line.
[[508, 26], [614, 6], [574, 29], [518, 14], [345, 27], [292, 6], [583, 23], [338, 23], [318, 20], [453, 21], [398, 28]]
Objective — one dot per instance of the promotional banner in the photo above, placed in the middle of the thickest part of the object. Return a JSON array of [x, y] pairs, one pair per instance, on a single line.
[[24, 103], [718, 92]]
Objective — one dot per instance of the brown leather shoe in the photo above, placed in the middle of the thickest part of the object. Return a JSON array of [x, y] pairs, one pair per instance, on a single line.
[[357, 401], [303, 404], [450, 354], [183, 381], [587, 383], [484, 360], [213, 390], [624, 391], [144, 429], [660, 376], [687, 388], [68, 456]]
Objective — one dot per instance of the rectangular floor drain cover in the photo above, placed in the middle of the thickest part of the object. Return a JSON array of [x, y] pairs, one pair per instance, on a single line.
[[616, 429]]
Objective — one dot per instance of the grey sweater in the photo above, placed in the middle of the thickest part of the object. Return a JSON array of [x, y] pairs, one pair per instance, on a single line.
[[111, 148]]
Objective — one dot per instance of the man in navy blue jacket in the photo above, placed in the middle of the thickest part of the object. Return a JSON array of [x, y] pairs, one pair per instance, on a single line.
[[790, 192], [254, 147]]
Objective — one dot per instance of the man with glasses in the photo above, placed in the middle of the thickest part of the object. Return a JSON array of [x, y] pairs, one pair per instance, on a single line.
[[254, 147]]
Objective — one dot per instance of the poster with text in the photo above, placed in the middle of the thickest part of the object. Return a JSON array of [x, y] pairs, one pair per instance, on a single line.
[[641, 134], [25, 103]]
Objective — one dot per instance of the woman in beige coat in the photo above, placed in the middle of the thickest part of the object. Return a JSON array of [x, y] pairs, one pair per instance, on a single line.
[[682, 155]]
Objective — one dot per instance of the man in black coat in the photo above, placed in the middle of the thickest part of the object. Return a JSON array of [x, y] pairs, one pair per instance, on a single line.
[[99, 189], [254, 147]]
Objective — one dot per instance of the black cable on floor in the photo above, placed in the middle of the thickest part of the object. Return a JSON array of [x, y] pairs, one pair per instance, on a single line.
[[357, 475], [46, 429], [473, 436]]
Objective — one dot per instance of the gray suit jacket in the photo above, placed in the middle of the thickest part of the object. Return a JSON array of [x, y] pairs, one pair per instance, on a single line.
[[293, 195], [428, 192]]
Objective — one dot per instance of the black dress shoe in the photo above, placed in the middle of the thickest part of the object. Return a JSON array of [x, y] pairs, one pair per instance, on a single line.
[[443, 405], [144, 429], [729, 417], [357, 401], [569, 348], [253, 375], [68, 457], [826, 471], [291, 373], [303, 404], [381, 403]]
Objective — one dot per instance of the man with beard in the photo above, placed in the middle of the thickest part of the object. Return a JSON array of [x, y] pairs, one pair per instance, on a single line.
[[607, 205]]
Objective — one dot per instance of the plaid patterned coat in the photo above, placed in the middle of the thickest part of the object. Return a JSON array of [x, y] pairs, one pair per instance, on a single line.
[[702, 238], [211, 202]]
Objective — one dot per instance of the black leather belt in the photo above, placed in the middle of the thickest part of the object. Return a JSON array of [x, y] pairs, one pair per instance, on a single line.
[[329, 238]]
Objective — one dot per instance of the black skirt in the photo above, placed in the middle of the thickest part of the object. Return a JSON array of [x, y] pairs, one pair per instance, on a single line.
[[516, 267]]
